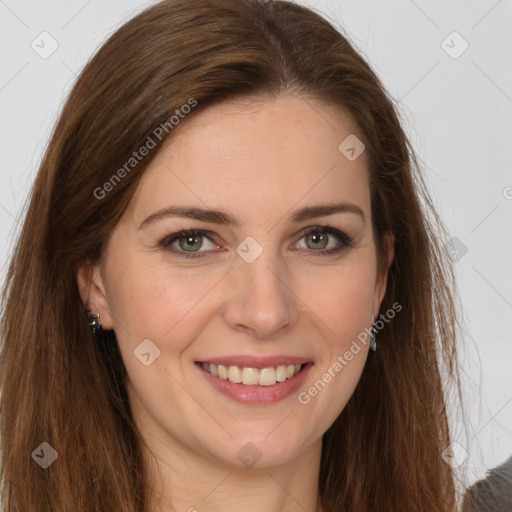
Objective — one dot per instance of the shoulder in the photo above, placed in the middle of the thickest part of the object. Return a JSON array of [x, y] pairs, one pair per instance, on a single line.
[[493, 493]]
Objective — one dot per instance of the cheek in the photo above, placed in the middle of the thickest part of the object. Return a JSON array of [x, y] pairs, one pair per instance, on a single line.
[[148, 303], [343, 306], [156, 302], [343, 301]]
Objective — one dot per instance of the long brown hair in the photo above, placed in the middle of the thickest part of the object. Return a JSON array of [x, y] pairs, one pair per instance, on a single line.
[[62, 385]]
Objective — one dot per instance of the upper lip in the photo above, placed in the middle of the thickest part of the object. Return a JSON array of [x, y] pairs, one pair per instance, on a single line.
[[256, 362]]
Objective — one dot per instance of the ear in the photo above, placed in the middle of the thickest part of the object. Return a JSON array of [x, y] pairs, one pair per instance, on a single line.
[[380, 285], [92, 291]]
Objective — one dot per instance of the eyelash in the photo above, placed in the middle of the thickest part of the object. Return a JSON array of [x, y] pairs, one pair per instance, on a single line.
[[346, 241]]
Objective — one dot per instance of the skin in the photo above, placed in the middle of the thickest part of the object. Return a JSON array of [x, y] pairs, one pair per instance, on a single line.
[[259, 160]]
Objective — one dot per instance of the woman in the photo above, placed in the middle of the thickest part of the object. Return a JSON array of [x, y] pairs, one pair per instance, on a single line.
[[227, 293]]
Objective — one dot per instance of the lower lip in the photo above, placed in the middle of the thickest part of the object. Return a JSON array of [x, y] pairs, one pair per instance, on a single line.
[[257, 395]]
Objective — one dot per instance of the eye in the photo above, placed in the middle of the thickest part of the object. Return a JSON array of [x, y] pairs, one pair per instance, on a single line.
[[187, 243], [321, 239]]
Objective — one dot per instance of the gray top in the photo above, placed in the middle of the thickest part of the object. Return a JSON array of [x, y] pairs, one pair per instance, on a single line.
[[493, 493]]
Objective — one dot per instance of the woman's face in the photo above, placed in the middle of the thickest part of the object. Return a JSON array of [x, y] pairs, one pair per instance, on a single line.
[[271, 283]]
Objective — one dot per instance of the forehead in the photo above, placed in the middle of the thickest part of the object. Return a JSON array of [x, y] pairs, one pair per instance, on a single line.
[[256, 155]]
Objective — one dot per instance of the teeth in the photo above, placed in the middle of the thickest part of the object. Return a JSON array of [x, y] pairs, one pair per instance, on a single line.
[[235, 374], [281, 373], [252, 376], [267, 377], [223, 372]]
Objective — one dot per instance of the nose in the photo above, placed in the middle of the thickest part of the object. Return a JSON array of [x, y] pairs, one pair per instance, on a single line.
[[260, 300]]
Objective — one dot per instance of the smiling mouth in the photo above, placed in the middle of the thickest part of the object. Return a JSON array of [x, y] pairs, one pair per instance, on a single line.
[[253, 376]]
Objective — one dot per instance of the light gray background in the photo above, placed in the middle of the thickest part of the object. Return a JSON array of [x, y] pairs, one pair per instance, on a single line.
[[457, 112]]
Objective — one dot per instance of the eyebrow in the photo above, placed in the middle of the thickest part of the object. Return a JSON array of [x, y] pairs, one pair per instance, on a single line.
[[220, 217]]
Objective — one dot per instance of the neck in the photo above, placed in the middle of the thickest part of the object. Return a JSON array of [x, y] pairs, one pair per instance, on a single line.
[[184, 480]]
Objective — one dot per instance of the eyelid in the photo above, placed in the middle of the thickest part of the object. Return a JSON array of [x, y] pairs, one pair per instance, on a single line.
[[328, 229]]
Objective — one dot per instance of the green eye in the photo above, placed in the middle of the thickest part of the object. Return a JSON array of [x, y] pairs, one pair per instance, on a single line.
[[193, 242], [318, 238], [190, 243]]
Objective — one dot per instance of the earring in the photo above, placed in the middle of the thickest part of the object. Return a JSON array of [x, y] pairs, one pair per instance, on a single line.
[[94, 323], [373, 336]]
